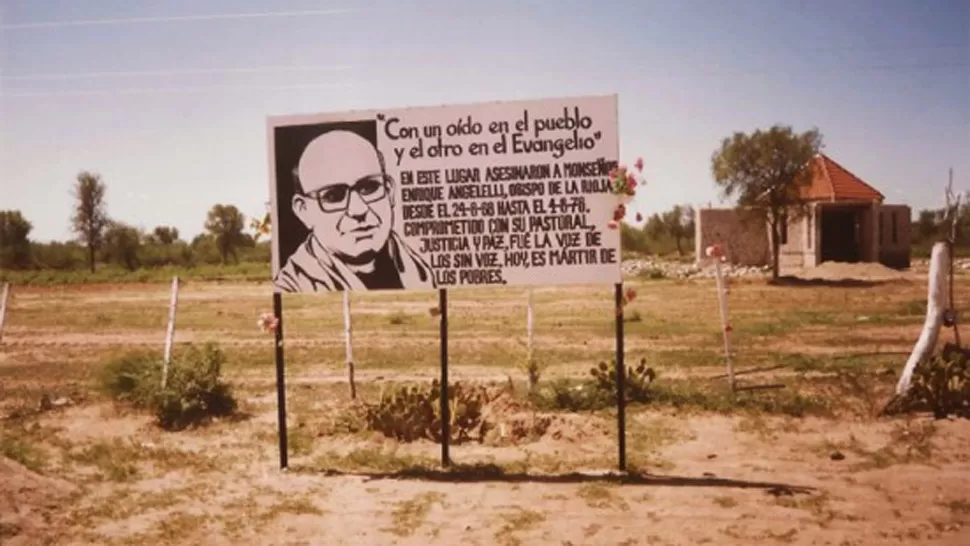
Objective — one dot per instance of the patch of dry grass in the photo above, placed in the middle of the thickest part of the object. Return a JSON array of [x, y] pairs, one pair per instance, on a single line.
[[407, 516], [516, 521]]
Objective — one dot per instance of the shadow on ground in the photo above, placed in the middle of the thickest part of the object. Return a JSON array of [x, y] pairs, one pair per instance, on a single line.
[[492, 473], [799, 282]]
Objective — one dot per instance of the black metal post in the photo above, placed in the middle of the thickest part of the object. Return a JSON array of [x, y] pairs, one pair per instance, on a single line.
[[280, 379], [620, 379], [445, 413]]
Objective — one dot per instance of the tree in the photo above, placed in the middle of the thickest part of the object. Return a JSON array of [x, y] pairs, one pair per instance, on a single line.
[[165, 235], [122, 243], [768, 171], [654, 228], [225, 223], [14, 244], [90, 218], [927, 225], [678, 223]]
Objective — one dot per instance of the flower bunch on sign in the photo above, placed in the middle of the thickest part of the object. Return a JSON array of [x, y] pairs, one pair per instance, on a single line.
[[268, 322], [623, 184]]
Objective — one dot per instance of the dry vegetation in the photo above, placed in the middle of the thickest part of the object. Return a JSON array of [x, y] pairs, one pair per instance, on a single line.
[[809, 463]]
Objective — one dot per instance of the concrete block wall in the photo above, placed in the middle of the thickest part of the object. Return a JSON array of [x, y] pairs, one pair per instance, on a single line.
[[745, 240], [894, 252]]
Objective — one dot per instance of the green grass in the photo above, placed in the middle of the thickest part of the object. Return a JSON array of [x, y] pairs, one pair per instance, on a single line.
[[372, 459], [20, 448], [242, 272], [689, 395]]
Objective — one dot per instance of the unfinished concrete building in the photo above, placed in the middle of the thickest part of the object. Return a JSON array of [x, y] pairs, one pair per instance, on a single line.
[[847, 221]]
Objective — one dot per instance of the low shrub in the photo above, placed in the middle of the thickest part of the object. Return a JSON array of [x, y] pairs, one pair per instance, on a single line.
[[411, 413], [194, 392], [599, 391], [940, 384], [133, 378]]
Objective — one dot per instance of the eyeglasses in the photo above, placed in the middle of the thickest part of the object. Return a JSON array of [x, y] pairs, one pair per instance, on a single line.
[[336, 198]]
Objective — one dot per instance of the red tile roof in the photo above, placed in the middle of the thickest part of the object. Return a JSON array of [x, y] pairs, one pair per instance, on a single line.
[[833, 182]]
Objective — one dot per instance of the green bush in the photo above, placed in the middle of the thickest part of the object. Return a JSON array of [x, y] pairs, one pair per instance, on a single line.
[[567, 395], [133, 378], [194, 391], [940, 384], [411, 413], [598, 392]]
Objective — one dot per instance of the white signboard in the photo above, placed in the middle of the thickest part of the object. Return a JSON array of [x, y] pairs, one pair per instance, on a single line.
[[500, 193]]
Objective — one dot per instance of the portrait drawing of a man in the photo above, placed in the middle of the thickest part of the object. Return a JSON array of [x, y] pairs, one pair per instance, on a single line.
[[344, 197]]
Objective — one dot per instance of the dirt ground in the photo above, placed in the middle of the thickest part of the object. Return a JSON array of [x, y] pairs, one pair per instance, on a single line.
[[81, 469]]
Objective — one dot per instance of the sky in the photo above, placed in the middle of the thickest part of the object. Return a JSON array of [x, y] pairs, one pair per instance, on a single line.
[[168, 101]]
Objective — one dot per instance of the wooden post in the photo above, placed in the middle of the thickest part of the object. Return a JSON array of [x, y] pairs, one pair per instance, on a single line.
[[3, 306], [725, 323], [620, 379], [280, 379], [936, 303], [170, 331], [445, 413], [348, 340]]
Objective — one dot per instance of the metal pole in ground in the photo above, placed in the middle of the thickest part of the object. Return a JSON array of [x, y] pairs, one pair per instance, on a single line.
[[445, 414], [280, 378], [620, 380]]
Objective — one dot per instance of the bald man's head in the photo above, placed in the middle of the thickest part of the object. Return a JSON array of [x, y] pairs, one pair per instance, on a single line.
[[336, 157], [344, 196]]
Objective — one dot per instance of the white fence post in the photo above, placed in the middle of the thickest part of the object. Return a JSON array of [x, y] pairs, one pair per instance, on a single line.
[[348, 340], [725, 323], [528, 324], [936, 302], [3, 307], [170, 332]]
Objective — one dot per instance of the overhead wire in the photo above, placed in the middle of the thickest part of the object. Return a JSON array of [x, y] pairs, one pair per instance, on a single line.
[[173, 18]]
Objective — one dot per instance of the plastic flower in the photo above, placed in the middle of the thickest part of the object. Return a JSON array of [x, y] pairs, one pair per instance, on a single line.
[[631, 184], [268, 322], [631, 294], [261, 227], [619, 212]]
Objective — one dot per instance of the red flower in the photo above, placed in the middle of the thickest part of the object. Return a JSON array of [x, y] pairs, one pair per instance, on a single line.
[[631, 184], [639, 217], [619, 212], [631, 294], [639, 164]]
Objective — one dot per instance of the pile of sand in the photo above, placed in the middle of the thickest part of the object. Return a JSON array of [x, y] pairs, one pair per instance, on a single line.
[[838, 271], [29, 503]]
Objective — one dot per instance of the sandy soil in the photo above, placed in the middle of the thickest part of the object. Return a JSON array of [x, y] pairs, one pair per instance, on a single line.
[[110, 476]]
